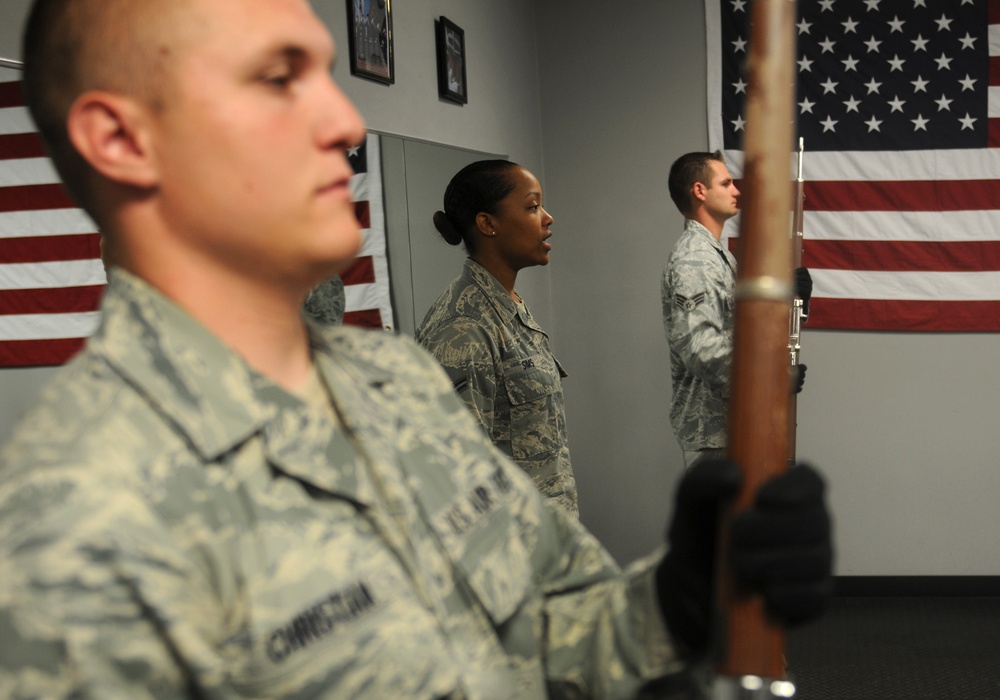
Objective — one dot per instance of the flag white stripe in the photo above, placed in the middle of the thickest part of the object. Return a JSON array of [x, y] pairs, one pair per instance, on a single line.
[[371, 243], [900, 226], [714, 70], [50, 222], [957, 164], [52, 275], [919, 226], [48, 326], [40, 171], [992, 102], [384, 301], [359, 187], [994, 39], [28, 171], [912, 286], [361, 296], [375, 236], [15, 120]]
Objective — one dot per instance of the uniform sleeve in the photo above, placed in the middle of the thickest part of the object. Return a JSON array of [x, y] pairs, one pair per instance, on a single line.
[[605, 635], [469, 357], [695, 294], [86, 614]]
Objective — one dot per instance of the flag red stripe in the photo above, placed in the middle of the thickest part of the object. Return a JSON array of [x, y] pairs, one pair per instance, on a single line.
[[37, 249], [994, 12], [10, 94], [896, 315], [361, 272], [994, 73], [58, 300], [912, 195], [993, 133], [29, 197], [21, 146], [364, 318], [38, 353], [899, 195], [902, 256], [363, 214]]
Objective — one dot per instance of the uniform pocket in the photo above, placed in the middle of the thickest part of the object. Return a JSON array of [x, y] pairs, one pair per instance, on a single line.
[[530, 378], [536, 421]]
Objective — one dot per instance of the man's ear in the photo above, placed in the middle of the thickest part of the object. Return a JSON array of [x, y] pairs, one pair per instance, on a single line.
[[109, 131], [699, 191]]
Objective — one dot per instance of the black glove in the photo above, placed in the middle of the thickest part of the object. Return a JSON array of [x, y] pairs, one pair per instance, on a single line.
[[798, 378], [781, 546], [685, 578], [803, 287]]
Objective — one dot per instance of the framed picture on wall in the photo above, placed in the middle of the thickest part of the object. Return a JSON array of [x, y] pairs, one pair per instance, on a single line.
[[369, 35], [452, 85]]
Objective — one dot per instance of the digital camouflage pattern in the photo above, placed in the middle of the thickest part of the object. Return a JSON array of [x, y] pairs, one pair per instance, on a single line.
[[173, 524], [327, 302], [698, 304], [502, 366]]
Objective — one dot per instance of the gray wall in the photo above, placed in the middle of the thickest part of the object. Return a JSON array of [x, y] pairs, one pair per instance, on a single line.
[[616, 108], [598, 101], [502, 75]]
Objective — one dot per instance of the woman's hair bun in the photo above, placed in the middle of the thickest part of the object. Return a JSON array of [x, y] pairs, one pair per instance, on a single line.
[[446, 228]]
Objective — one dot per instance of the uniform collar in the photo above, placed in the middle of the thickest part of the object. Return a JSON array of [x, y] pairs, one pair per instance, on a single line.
[[692, 226], [194, 379], [497, 295]]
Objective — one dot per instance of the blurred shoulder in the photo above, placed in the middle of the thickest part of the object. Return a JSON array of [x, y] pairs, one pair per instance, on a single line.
[[378, 351], [85, 402]]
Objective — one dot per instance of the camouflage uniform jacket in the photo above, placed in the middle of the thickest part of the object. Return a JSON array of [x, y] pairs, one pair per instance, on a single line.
[[173, 524], [327, 302], [697, 294], [501, 364]]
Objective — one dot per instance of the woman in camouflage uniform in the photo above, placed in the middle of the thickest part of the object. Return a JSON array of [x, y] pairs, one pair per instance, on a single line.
[[482, 332]]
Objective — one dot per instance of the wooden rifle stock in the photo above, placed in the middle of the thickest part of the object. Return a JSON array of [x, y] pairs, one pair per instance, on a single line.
[[758, 410]]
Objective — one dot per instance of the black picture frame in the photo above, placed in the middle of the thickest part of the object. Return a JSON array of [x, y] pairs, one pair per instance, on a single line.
[[369, 38], [452, 83]]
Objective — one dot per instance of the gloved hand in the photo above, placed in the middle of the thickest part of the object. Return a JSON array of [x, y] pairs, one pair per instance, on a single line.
[[779, 547], [798, 378], [685, 579], [782, 547], [803, 287]]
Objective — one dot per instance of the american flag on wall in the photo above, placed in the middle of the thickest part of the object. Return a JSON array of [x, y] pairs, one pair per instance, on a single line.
[[51, 276], [366, 283], [898, 104]]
